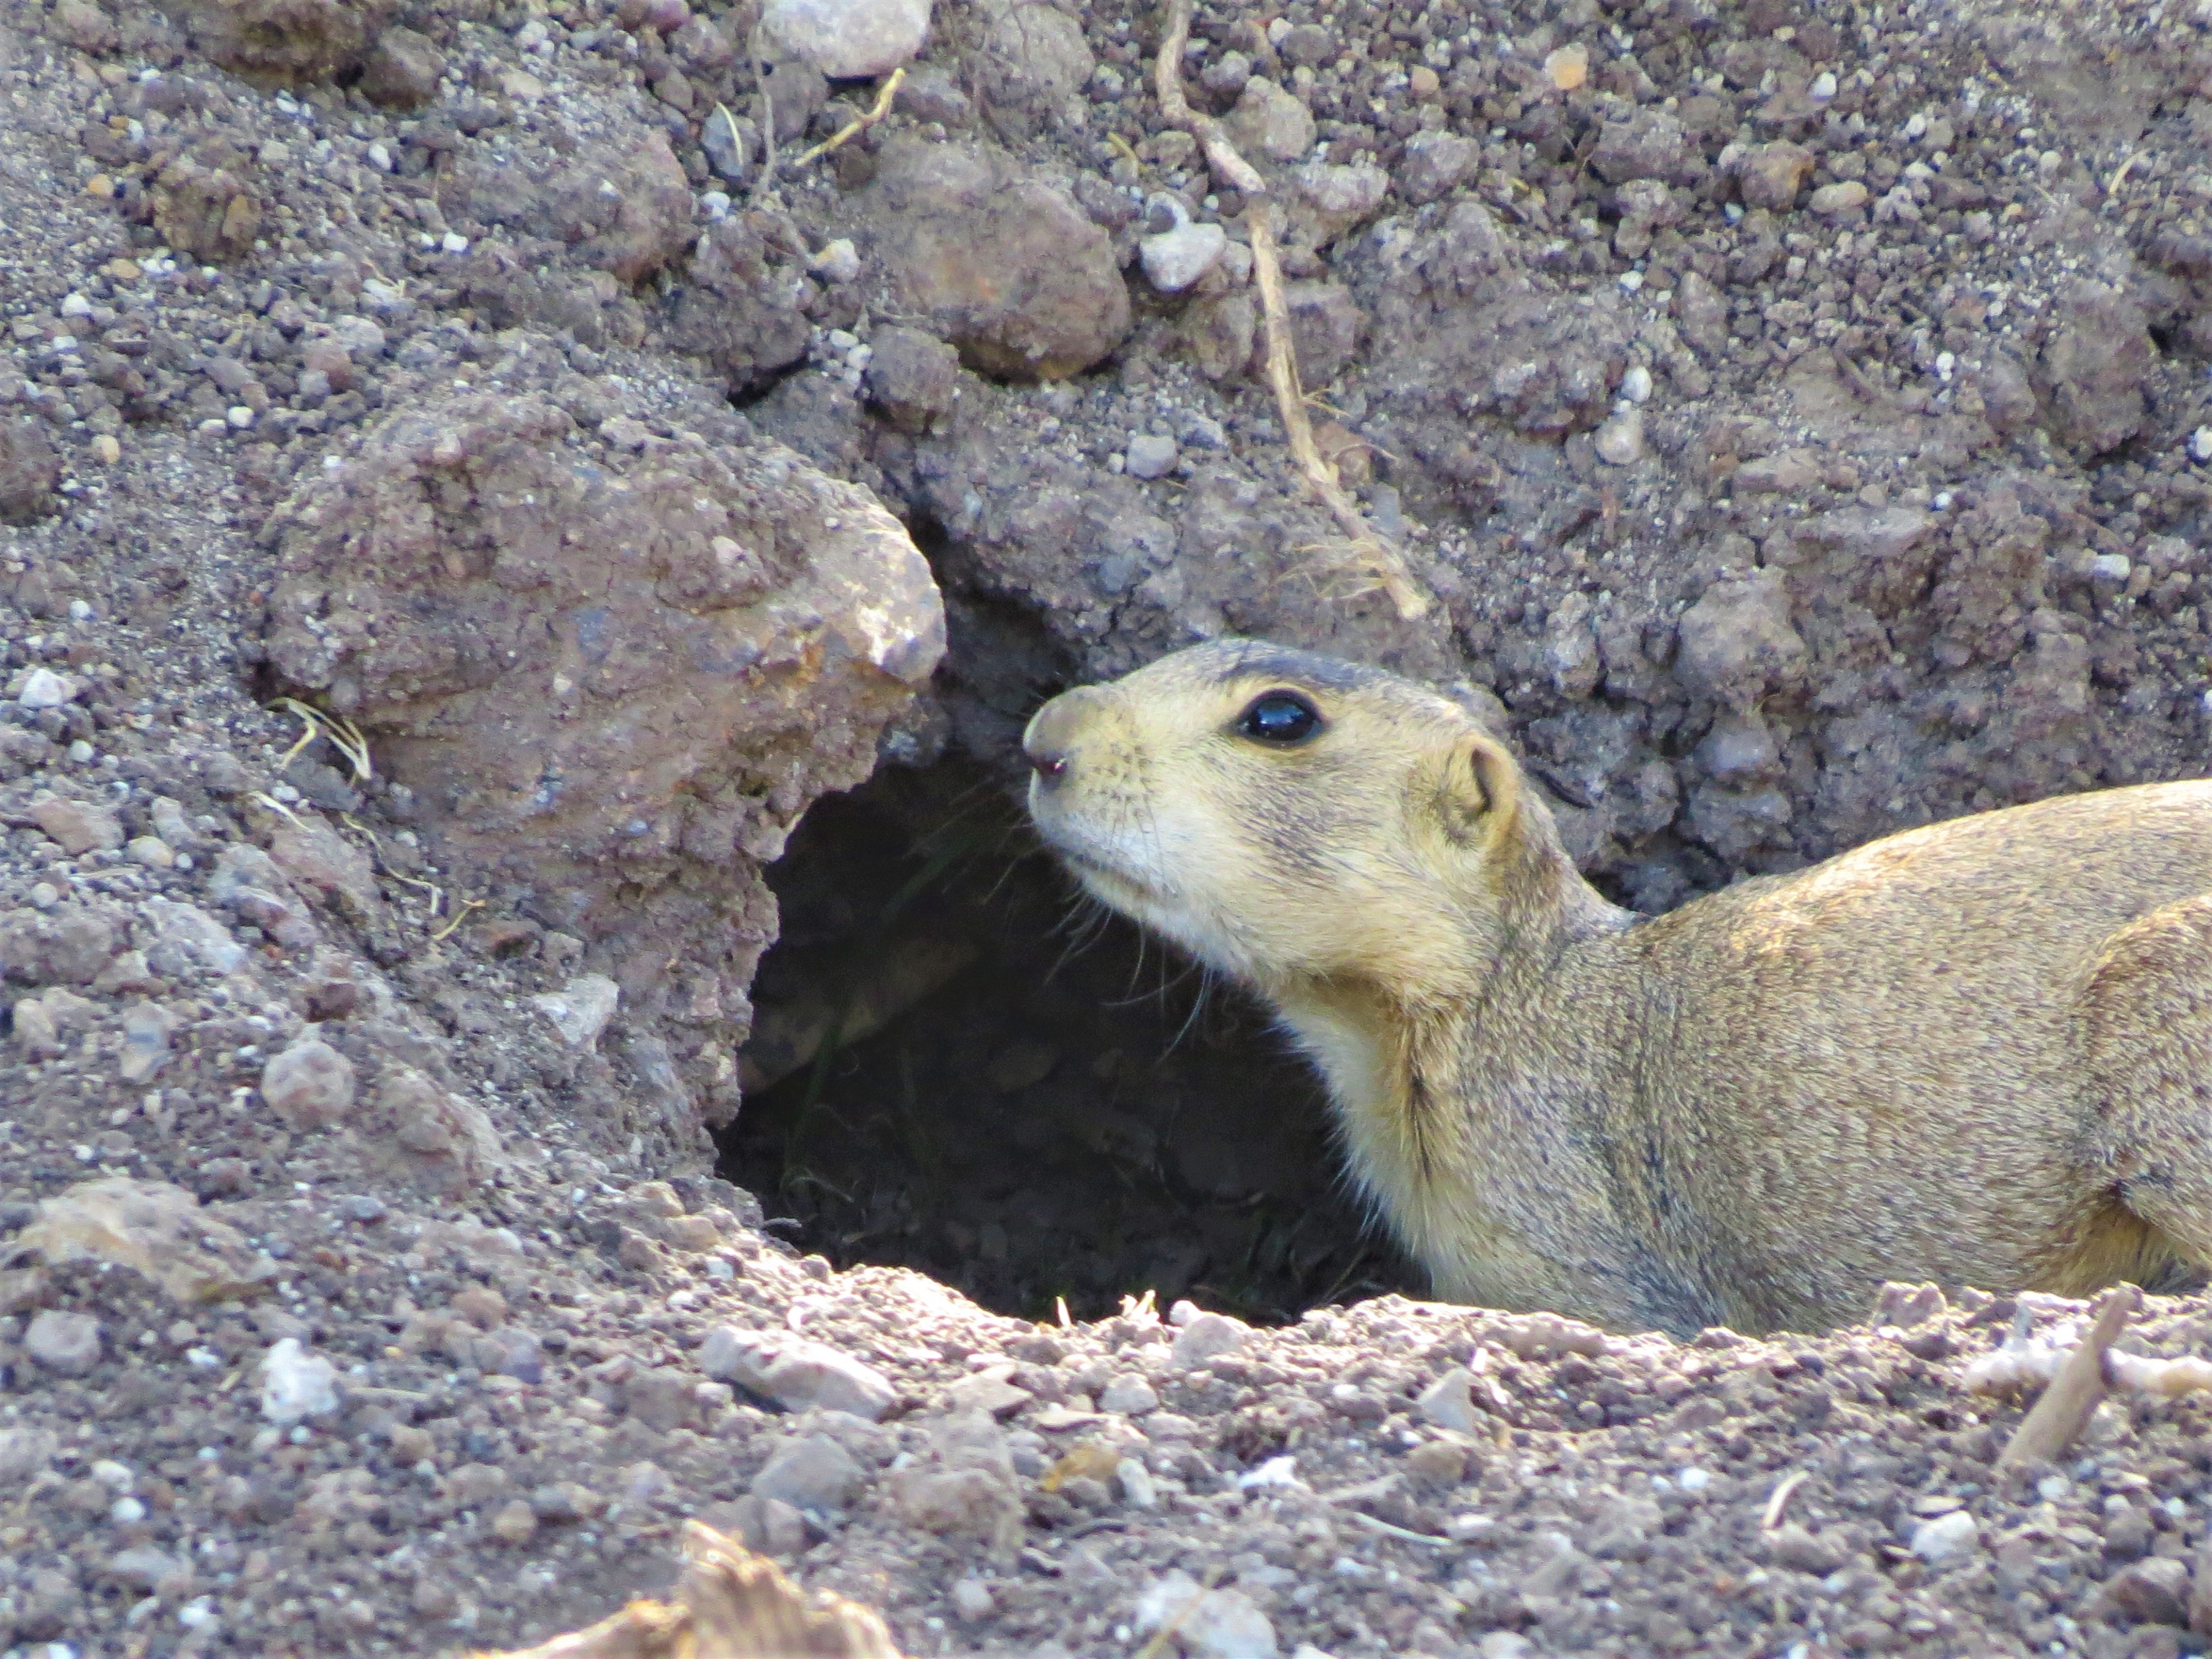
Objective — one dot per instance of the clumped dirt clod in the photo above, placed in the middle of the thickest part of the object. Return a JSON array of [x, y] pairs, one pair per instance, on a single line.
[[1797, 412]]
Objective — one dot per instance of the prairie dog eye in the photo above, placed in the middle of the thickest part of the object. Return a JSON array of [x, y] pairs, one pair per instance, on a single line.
[[1280, 719]]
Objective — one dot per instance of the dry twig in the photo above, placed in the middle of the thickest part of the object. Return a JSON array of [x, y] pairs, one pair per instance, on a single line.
[[1374, 554], [2063, 1411]]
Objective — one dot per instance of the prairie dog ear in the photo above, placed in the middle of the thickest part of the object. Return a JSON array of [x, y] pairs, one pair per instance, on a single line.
[[1481, 787]]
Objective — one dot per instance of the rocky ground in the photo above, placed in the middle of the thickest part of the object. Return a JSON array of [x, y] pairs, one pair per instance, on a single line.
[[465, 495]]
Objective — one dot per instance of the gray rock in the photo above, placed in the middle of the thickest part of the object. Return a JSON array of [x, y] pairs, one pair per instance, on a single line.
[[1035, 61], [1332, 199], [1176, 259], [1834, 201], [812, 1473], [799, 92], [1447, 1402], [143, 1568], [1002, 261], [964, 1486], [296, 1384], [1735, 823], [913, 377], [25, 1452], [1436, 164], [67, 1344], [993, 1391], [1207, 1337], [1739, 749], [1770, 175], [848, 39], [402, 69], [1737, 641], [37, 1032], [2152, 1592], [794, 1372], [731, 142], [1270, 123], [147, 1027], [930, 93], [310, 1084], [1208, 1624], [1325, 324], [1308, 46], [42, 688], [514, 1352], [1795, 1547], [1620, 442], [2095, 365], [1128, 1395], [1149, 455], [1641, 144], [68, 947], [29, 469], [79, 828], [581, 1009], [1947, 1539], [187, 940]]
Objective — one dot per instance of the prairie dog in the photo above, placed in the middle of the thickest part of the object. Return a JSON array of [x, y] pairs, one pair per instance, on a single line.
[[1977, 1053]]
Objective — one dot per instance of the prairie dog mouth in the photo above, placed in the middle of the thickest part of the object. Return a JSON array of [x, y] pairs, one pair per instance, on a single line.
[[1098, 862]]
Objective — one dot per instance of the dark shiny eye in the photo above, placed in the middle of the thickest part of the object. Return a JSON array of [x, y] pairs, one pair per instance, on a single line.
[[1282, 718]]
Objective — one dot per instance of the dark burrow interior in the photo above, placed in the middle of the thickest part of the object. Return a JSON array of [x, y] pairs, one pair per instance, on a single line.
[[961, 1068]]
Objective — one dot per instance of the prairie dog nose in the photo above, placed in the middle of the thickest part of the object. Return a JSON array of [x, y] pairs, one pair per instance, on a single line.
[[1049, 742]]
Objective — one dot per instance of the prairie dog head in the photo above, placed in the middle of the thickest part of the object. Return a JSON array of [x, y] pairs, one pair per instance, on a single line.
[[1286, 817]]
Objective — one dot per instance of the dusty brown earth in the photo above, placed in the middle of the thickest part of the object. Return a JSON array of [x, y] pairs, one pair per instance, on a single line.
[[459, 511]]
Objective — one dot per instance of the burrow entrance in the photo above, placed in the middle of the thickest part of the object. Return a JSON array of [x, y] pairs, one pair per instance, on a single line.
[[958, 1067]]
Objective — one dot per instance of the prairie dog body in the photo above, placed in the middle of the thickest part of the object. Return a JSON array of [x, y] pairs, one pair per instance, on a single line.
[[1978, 1052]]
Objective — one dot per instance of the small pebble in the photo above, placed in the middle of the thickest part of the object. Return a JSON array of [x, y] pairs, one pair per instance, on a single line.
[[1946, 1537], [1150, 456], [971, 1599], [1620, 440], [44, 689], [1178, 257], [66, 1344], [1635, 385]]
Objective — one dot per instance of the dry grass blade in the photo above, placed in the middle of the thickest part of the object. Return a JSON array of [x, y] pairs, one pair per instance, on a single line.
[[1375, 556], [2063, 1410], [729, 1604], [1778, 1503]]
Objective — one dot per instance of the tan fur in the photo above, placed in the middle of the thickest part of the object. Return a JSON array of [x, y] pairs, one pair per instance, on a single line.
[[1977, 1053]]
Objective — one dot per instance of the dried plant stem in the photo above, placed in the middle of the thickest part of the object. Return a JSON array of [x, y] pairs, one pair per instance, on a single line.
[[1375, 555], [858, 124], [2063, 1410]]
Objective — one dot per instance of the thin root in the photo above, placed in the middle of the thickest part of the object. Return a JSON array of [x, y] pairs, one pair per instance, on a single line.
[[459, 917], [859, 124], [1369, 549], [342, 734], [276, 805]]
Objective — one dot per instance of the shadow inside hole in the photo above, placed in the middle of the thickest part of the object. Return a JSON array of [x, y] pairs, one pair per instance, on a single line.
[[959, 1067]]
